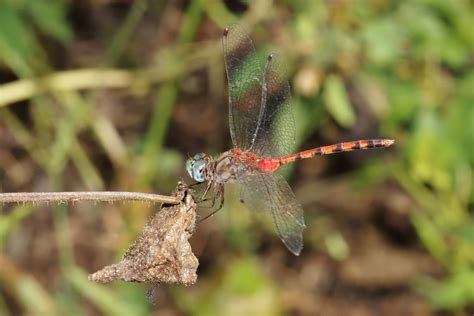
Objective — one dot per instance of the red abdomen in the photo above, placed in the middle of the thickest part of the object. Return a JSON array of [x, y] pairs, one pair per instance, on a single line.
[[268, 165]]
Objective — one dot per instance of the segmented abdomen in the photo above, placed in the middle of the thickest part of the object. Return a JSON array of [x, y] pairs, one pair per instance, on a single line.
[[270, 164]]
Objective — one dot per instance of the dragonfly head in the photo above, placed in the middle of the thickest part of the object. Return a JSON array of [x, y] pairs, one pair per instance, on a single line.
[[196, 166]]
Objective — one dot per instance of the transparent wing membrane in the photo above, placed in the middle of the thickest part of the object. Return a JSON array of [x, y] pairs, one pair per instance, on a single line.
[[259, 98], [275, 133], [261, 121], [265, 192], [244, 74]]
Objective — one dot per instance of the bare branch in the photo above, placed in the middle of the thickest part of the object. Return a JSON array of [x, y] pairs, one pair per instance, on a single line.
[[98, 196]]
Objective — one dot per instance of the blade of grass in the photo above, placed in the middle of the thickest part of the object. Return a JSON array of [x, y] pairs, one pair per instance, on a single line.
[[24, 137], [164, 101], [25, 289], [106, 133], [10, 221], [103, 297], [121, 39], [90, 78], [87, 170]]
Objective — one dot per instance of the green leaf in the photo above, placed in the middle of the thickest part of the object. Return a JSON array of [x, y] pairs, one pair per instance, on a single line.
[[15, 40], [13, 32], [384, 40], [50, 18], [244, 278], [456, 291], [337, 101]]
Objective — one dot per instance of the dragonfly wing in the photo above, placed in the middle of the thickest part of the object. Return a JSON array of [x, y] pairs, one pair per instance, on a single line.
[[275, 134], [260, 114], [244, 73], [271, 193]]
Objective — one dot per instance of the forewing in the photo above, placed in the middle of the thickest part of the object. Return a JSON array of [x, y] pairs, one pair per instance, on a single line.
[[271, 193], [275, 134], [244, 74]]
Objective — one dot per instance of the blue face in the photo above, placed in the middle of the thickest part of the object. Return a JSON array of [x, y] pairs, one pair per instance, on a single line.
[[195, 167]]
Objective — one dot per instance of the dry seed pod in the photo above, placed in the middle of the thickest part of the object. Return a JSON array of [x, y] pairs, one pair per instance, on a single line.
[[162, 253]]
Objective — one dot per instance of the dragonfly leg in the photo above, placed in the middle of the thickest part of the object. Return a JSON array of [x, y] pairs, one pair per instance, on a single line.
[[220, 192], [203, 196], [222, 199], [195, 184], [209, 185], [213, 202]]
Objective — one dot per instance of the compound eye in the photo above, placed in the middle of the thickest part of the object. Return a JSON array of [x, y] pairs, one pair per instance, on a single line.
[[198, 171], [199, 156]]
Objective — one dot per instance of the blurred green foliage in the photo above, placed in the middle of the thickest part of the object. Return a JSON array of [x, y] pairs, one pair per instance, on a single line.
[[410, 62], [19, 43]]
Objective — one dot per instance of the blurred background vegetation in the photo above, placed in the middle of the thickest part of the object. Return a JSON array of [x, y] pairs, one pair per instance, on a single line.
[[113, 94]]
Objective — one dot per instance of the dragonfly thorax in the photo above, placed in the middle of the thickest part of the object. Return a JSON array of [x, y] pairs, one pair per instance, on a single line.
[[228, 167]]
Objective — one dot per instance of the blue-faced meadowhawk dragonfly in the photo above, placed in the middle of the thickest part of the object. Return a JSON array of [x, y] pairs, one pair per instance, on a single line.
[[262, 129]]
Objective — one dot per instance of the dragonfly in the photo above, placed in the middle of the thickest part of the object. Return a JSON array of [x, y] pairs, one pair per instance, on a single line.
[[262, 129]]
